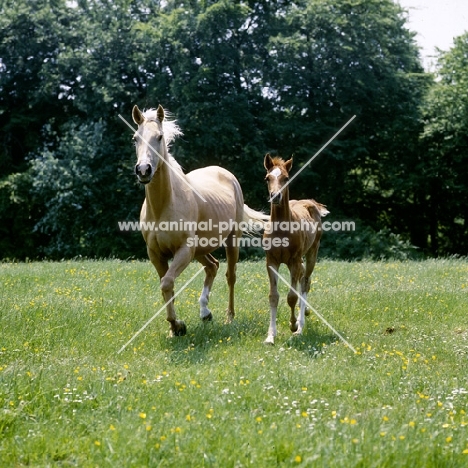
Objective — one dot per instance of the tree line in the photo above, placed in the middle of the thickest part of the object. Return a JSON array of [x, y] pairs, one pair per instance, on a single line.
[[242, 78]]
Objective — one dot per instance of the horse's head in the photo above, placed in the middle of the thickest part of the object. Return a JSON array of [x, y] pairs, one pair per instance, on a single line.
[[149, 143], [277, 177]]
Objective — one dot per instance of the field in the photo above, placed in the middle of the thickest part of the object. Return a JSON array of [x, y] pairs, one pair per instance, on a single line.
[[219, 397]]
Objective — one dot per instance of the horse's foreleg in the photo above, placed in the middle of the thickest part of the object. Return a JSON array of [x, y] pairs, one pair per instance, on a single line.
[[161, 264], [181, 259], [211, 268], [297, 272], [232, 256], [273, 299]]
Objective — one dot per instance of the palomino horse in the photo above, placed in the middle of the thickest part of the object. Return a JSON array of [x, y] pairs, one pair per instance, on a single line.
[[206, 204], [294, 233]]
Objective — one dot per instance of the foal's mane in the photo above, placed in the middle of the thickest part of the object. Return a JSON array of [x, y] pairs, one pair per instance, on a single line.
[[278, 161]]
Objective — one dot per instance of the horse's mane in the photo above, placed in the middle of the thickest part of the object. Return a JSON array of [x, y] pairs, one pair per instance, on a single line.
[[170, 128], [171, 131]]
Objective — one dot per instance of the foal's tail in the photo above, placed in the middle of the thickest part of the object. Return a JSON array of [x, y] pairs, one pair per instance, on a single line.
[[257, 220], [315, 207], [322, 209]]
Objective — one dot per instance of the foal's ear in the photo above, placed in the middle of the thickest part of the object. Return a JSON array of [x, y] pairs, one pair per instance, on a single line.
[[268, 162], [288, 164], [160, 113], [137, 116]]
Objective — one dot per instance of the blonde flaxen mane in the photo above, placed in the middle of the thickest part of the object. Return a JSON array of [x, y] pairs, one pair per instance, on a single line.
[[170, 128]]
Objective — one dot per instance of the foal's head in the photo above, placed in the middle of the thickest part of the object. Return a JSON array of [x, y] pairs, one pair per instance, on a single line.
[[277, 176], [149, 142]]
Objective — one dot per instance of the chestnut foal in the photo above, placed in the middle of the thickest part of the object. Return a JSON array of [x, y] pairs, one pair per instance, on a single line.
[[295, 231]]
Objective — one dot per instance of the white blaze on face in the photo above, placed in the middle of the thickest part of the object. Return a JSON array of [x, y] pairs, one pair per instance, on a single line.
[[276, 172]]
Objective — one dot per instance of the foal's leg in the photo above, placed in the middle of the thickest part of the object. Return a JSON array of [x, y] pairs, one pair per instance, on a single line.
[[181, 259], [211, 268], [311, 258], [232, 256], [272, 269], [296, 271]]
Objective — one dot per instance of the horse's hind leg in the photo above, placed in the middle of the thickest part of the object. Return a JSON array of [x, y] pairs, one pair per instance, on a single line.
[[311, 258], [297, 272], [232, 256], [211, 268]]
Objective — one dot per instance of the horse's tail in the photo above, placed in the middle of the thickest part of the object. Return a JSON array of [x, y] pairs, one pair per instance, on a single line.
[[255, 220]]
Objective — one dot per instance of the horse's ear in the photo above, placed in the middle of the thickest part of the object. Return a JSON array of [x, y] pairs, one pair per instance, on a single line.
[[288, 164], [137, 116], [268, 162], [160, 113]]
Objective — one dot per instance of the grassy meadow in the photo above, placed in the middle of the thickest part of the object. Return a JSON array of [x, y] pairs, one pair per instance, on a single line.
[[219, 397]]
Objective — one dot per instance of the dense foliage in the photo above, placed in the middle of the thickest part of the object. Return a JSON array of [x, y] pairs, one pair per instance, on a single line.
[[242, 78], [444, 161]]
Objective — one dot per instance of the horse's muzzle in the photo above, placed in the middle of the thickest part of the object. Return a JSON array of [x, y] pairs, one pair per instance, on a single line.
[[144, 172]]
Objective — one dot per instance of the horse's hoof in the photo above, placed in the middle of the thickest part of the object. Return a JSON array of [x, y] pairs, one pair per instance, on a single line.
[[293, 327], [180, 329], [208, 318], [270, 341], [307, 312]]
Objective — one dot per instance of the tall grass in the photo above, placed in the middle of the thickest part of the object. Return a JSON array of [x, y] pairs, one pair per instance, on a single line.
[[218, 396]]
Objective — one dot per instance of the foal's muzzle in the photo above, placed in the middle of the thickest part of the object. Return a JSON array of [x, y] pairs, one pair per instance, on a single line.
[[144, 172], [275, 198]]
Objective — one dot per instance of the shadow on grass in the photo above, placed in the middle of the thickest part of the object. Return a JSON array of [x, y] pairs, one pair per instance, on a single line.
[[206, 341], [312, 342]]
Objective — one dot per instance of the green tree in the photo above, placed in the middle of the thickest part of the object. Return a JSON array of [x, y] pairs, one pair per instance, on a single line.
[[443, 164], [242, 78], [64, 68], [32, 36], [333, 60], [207, 61], [81, 194]]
